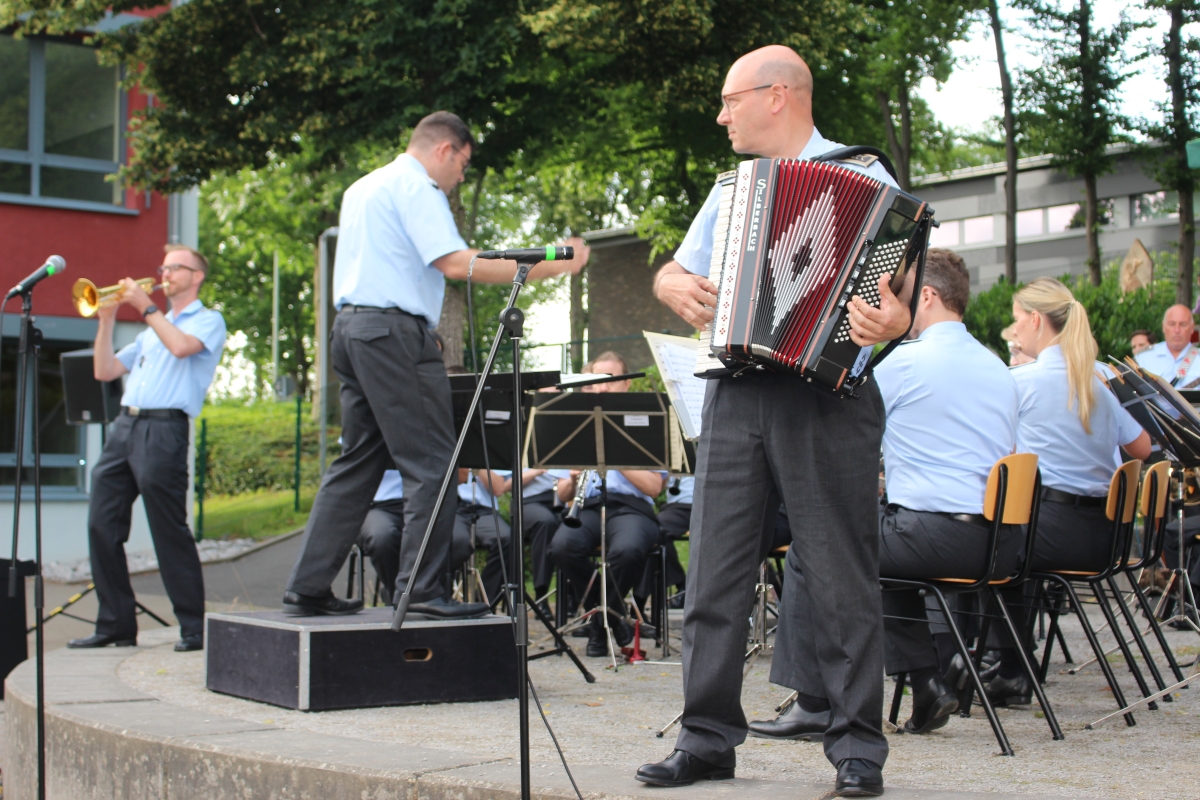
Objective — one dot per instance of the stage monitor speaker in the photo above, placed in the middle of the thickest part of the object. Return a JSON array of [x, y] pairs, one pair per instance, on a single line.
[[13, 639], [88, 400]]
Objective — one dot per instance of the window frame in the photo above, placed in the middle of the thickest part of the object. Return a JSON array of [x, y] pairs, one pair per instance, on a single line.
[[35, 154]]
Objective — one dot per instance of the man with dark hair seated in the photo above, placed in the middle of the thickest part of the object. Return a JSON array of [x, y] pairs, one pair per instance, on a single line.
[[951, 414]]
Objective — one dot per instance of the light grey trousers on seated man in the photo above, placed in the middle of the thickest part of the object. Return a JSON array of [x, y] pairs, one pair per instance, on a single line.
[[396, 414], [767, 437]]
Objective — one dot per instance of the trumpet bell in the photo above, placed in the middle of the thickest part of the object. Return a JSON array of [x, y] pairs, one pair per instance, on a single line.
[[89, 298]]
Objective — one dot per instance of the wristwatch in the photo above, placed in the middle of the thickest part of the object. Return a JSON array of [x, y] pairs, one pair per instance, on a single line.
[[150, 309]]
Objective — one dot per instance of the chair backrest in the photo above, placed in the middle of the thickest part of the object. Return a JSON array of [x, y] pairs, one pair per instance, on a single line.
[[1157, 483], [1131, 470], [1018, 499]]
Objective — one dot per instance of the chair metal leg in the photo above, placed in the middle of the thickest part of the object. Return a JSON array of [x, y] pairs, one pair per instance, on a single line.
[[1105, 609], [1005, 747], [1055, 611], [1156, 629], [901, 680], [1135, 629], [1105, 667], [1051, 719]]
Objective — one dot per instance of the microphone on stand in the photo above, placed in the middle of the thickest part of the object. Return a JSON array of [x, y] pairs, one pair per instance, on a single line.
[[53, 266], [532, 254]]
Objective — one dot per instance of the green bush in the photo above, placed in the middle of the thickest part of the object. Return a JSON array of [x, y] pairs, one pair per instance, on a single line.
[[253, 447], [1113, 316]]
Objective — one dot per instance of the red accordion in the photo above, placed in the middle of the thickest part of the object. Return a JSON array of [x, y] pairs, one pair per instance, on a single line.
[[793, 241]]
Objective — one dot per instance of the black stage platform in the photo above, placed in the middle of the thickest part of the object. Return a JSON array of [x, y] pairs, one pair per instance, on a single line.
[[320, 663]]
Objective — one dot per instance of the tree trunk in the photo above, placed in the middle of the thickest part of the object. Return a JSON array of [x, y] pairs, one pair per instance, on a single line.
[[1092, 222], [1180, 133], [453, 322], [905, 168], [897, 151], [578, 320], [1010, 151]]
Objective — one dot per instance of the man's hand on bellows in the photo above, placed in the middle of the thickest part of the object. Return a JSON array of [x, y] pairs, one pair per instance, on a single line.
[[870, 325], [690, 296]]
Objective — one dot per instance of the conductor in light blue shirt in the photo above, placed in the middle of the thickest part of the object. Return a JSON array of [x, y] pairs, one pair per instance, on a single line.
[[168, 369], [397, 244]]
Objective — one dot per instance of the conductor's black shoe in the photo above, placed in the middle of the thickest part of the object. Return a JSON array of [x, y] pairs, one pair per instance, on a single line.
[[103, 640], [933, 703], [794, 723], [858, 777], [441, 608], [189, 643], [299, 605], [681, 769], [1014, 691]]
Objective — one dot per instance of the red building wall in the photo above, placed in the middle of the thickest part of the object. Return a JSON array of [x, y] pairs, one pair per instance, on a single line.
[[101, 247]]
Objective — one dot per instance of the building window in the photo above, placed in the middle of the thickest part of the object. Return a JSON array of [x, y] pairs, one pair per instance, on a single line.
[[60, 122], [1064, 218], [1029, 223], [63, 445], [1158, 205], [946, 235], [977, 230]]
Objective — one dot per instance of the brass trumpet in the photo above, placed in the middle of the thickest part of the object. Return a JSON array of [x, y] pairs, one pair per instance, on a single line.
[[89, 298]]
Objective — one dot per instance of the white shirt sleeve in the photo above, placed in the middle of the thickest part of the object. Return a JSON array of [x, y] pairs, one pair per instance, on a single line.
[[209, 328], [695, 252], [128, 355], [426, 217]]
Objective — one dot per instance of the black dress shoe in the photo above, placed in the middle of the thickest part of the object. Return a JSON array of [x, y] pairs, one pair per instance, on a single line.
[[189, 643], [103, 640], [958, 678], [299, 605], [794, 723], [682, 769], [933, 703], [677, 600], [597, 645], [858, 777], [1009, 691], [441, 608]]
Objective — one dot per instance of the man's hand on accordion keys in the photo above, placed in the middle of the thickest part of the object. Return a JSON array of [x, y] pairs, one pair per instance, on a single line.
[[690, 296], [870, 326]]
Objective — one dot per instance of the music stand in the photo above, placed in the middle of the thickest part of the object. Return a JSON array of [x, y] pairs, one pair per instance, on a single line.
[[600, 431], [1174, 426]]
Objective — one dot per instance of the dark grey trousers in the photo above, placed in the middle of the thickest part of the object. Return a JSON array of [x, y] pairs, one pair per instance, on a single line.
[[767, 436], [396, 414], [922, 544], [541, 521], [146, 456], [491, 533], [382, 533]]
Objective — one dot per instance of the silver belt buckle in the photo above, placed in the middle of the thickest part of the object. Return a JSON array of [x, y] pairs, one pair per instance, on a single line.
[[134, 411]]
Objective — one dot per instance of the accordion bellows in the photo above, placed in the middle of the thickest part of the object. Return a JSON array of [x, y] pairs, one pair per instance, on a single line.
[[793, 241]]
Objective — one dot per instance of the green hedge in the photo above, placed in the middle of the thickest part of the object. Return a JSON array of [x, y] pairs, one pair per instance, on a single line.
[[253, 447], [1113, 316]]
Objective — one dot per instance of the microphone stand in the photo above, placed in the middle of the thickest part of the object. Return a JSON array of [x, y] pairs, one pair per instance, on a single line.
[[27, 363], [512, 322]]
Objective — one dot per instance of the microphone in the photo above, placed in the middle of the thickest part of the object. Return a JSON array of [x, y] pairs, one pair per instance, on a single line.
[[532, 255], [53, 266]]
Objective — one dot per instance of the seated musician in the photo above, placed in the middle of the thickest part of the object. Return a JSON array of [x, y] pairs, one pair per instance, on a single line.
[[632, 529], [1175, 358], [674, 520], [477, 493], [540, 520], [1074, 424], [951, 409], [382, 530]]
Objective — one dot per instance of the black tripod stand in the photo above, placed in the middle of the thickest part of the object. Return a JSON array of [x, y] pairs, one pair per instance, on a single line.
[[512, 323], [27, 405]]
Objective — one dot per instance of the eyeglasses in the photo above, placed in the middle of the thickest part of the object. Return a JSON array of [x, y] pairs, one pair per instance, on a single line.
[[165, 268], [725, 97], [467, 163]]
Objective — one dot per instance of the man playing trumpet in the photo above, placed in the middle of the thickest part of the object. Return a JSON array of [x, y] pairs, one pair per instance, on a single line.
[[169, 366]]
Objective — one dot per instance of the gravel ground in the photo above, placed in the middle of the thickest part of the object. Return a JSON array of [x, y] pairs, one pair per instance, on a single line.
[[613, 722], [80, 571]]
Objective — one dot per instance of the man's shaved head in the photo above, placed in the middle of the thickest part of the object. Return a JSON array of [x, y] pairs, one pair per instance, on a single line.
[[1177, 327], [767, 103], [778, 64]]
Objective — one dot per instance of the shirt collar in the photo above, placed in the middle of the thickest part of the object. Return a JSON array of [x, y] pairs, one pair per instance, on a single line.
[[944, 328], [410, 162], [1050, 355], [817, 144], [190, 308], [1182, 353]]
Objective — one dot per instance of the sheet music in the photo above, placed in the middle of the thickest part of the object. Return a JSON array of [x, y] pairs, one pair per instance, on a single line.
[[676, 359]]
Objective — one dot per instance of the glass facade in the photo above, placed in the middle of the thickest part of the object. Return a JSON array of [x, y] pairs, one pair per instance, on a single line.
[[62, 444]]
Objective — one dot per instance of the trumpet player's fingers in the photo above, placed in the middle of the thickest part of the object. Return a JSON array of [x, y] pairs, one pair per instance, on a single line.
[[133, 294]]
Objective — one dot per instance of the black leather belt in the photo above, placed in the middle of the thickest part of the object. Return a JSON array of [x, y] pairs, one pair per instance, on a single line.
[[157, 413], [1081, 500], [973, 519], [379, 310]]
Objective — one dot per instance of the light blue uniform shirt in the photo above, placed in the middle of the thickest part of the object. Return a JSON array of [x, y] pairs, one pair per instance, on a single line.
[[1158, 359], [539, 485], [687, 488], [951, 414], [695, 253], [1070, 460], [473, 491], [617, 484], [158, 379], [391, 487], [394, 223]]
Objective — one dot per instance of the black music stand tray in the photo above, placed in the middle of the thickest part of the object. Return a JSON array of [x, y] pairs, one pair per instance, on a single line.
[[602, 431]]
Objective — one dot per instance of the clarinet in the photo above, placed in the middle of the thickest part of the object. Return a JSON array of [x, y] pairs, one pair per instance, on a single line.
[[571, 518]]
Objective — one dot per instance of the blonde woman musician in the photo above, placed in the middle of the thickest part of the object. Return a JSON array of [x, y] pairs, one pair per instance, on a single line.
[[1074, 424]]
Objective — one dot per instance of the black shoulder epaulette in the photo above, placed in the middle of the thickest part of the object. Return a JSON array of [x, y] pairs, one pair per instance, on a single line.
[[863, 160], [726, 175]]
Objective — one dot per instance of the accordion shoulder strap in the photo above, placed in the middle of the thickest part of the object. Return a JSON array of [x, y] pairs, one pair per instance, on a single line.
[[862, 156]]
